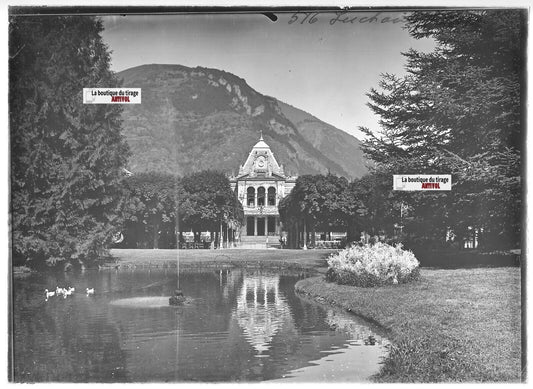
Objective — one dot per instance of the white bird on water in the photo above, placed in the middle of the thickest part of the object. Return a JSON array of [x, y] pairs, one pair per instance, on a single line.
[[48, 294], [90, 291], [68, 292], [60, 290]]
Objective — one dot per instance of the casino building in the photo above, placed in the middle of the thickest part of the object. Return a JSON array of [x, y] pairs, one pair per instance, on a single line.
[[260, 186]]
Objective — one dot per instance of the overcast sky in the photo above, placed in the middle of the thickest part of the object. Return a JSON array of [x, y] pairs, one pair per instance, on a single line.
[[325, 67]]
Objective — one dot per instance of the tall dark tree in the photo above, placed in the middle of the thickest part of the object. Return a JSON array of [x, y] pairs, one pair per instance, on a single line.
[[374, 207], [66, 157], [459, 111]]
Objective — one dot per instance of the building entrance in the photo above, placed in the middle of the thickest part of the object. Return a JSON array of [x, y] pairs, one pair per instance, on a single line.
[[261, 226], [250, 226], [271, 225]]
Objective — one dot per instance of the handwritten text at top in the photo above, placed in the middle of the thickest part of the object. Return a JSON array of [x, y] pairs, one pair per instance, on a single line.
[[343, 17]]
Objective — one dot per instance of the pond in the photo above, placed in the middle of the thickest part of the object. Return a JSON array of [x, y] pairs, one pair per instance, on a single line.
[[238, 325]]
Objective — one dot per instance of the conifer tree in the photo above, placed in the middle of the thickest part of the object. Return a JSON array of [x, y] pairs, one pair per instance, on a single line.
[[66, 157], [459, 111]]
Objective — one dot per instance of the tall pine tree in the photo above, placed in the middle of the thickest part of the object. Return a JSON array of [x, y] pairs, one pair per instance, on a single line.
[[66, 157], [459, 111]]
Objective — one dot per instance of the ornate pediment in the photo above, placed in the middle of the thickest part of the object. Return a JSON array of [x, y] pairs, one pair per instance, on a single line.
[[261, 162]]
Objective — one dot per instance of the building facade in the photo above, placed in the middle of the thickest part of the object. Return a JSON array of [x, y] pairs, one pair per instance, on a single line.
[[260, 185]]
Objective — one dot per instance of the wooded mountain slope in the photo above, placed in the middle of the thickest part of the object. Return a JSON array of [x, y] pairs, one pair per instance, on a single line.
[[193, 119]]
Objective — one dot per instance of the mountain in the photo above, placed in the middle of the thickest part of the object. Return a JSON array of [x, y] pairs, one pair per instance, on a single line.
[[341, 147], [192, 119]]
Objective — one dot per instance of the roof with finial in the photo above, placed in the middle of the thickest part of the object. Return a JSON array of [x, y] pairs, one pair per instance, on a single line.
[[261, 144], [261, 162]]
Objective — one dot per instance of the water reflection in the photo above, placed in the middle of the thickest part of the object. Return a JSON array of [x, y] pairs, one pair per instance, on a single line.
[[261, 310], [358, 332], [235, 316]]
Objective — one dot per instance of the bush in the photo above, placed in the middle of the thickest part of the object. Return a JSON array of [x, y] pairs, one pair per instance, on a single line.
[[373, 265]]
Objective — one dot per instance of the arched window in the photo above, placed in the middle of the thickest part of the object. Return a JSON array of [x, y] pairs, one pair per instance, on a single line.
[[250, 196], [271, 196], [260, 196]]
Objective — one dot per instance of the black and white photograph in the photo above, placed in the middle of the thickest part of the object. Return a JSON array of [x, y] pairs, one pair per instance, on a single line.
[[245, 194]]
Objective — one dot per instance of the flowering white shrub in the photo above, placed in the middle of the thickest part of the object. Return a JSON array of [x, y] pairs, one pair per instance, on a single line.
[[372, 265]]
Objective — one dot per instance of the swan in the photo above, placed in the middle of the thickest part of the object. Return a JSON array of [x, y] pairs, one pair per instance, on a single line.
[[48, 294], [90, 291]]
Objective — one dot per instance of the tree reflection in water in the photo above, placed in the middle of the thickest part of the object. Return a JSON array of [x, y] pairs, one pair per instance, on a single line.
[[357, 332]]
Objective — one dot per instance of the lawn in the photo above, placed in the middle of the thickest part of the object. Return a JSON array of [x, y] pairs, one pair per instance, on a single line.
[[307, 259], [459, 325]]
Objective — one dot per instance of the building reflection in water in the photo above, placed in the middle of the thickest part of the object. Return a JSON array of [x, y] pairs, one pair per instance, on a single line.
[[261, 310], [235, 315]]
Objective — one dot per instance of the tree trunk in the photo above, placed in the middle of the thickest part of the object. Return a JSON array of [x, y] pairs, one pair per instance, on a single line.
[[221, 237], [227, 236], [155, 235], [297, 235], [305, 236], [351, 233]]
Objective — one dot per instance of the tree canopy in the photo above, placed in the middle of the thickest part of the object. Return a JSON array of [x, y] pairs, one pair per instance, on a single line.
[[159, 205], [320, 202], [207, 200], [66, 157], [458, 111], [151, 208]]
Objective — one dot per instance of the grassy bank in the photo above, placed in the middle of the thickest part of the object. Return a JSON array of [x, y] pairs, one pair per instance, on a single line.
[[290, 259], [451, 326]]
